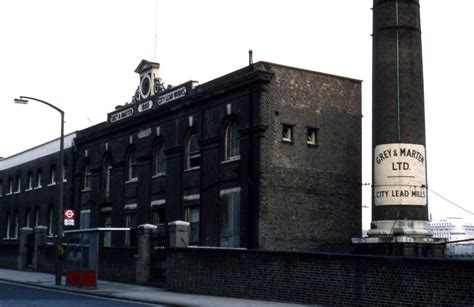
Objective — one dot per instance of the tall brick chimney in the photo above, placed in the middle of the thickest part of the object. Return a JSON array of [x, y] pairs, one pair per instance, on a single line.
[[399, 185]]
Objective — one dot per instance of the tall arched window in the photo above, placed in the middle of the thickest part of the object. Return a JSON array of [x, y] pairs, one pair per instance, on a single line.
[[159, 160], [232, 142], [86, 177], [106, 176], [193, 152], [131, 166]]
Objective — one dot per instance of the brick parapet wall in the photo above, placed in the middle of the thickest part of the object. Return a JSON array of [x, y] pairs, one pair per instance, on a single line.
[[320, 278]]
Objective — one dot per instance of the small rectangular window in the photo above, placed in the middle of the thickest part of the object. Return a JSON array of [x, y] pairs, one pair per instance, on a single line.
[[312, 136], [287, 133], [158, 215]]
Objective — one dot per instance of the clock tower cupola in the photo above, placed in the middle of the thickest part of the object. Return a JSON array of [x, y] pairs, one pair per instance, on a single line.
[[150, 83]]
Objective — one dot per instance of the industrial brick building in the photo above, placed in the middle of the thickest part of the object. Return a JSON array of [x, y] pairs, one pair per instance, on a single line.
[[29, 188], [266, 157]]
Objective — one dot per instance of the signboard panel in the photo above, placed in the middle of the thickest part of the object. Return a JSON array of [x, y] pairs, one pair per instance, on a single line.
[[173, 95], [121, 115], [69, 217], [399, 174]]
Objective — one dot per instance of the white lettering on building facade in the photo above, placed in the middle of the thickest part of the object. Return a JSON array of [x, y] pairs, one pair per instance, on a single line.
[[178, 93], [145, 106], [121, 115], [399, 175]]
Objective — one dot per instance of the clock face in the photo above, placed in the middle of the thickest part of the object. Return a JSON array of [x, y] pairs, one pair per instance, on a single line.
[[145, 87]]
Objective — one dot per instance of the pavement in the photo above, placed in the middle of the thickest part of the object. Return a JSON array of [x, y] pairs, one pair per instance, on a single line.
[[131, 292]]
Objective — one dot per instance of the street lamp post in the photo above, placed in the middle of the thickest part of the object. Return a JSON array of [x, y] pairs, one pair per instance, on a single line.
[[59, 239]]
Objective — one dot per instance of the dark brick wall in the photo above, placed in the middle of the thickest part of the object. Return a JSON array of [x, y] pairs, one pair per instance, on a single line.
[[47, 259], [310, 196], [321, 278], [9, 255], [292, 196], [117, 264], [209, 107]]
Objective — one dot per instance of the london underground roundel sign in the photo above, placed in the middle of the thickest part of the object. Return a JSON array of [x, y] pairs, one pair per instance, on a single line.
[[69, 217]]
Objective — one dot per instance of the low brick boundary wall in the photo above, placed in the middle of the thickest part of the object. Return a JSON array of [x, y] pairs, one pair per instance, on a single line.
[[117, 264], [320, 278], [9, 255], [47, 259]]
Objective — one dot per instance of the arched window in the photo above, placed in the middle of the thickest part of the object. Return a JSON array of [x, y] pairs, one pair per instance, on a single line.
[[106, 176], [131, 166], [159, 160], [232, 142], [86, 177], [193, 152]]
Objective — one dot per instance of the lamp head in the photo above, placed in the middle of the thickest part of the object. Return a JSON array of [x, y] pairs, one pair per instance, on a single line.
[[20, 101]]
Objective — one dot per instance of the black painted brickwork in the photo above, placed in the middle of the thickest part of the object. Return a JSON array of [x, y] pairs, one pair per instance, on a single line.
[[9, 256], [293, 195], [310, 196], [320, 278], [117, 264], [36, 198]]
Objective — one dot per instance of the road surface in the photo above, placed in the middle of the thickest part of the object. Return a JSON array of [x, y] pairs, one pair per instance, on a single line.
[[12, 294]]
